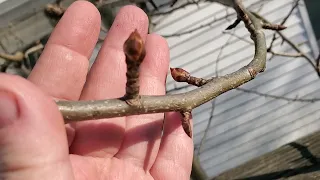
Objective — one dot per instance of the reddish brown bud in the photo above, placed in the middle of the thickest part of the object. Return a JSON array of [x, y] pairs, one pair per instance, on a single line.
[[134, 47], [179, 75], [277, 27], [185, 121], [281, 27]]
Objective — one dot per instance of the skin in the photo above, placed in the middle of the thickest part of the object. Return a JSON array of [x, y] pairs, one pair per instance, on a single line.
[[35, 143]]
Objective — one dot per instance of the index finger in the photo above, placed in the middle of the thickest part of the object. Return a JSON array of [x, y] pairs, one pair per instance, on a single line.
[[62, 68]]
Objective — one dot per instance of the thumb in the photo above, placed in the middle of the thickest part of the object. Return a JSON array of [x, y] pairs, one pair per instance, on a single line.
[[33, 142]]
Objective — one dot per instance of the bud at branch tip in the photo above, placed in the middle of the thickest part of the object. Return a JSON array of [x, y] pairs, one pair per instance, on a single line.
[[134, 47], [179, 74]]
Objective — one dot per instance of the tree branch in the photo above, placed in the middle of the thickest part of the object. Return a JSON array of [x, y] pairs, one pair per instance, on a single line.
[[184, 102], [294, 46], [284, 54], [173, 9], [311, 100]]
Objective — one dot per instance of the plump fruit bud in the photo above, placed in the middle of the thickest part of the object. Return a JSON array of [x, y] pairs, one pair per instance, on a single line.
[[134, 47], [179, 75]]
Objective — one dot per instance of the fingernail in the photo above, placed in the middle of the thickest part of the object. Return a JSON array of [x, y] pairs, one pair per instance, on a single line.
[[8, 108]]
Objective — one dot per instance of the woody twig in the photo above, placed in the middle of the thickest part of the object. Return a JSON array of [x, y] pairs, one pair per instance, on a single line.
[[183, 102]]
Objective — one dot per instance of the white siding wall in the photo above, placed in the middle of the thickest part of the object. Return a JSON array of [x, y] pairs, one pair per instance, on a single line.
[[245, 125]]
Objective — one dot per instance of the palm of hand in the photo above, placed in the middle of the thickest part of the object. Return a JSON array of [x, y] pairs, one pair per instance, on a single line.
[[119, 148]]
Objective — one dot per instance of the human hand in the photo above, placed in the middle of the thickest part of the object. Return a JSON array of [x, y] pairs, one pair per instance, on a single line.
[[35, 143]]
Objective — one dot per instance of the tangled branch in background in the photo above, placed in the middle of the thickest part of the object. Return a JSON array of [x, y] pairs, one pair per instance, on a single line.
[[20, 57], [314, 62], [299, 53]]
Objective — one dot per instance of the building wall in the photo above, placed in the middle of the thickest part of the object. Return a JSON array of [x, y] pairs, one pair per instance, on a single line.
[[244, 125]]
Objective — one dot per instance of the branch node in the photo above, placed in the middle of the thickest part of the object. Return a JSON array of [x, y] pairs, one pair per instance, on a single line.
[[136, 102], [197, 81], [253, 73], [245, 18]]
